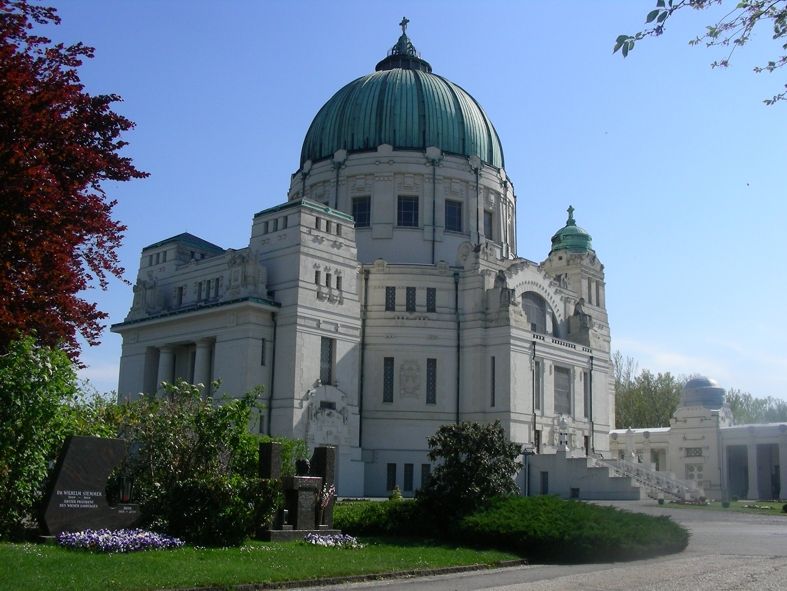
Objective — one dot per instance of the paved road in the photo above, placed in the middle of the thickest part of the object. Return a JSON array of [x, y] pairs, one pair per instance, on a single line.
[[727, 552]]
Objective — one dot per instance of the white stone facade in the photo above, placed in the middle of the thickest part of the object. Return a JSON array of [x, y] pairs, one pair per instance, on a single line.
[[381, 301], [703, 446]]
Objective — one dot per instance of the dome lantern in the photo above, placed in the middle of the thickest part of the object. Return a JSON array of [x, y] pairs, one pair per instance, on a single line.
[[571, 237]]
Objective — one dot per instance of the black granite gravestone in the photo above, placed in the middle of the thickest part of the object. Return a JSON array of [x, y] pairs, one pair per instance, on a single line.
[[302, 511], [77, 496]]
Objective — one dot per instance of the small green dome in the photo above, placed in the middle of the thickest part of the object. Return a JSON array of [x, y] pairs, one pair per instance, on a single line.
[[571, 237], [402, 104]]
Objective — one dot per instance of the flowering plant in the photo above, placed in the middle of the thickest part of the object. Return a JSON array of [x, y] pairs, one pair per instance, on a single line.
[[327, 493], [120, 540], [333, 541]]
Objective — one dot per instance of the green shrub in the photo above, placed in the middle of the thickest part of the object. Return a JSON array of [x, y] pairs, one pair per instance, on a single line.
[[725, 504], [195, 465], [402, 518], [219, 510], [550, 529], [475, 463], [291, 451], [36, 386], [784, 508]]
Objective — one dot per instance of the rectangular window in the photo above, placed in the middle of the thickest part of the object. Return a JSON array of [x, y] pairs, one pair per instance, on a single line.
[[488, 225], [150, 260], [216, 289], [327, 280], [431, 381], [562, 391], [317, 223], [693, 452], [426, 472], [492, 382], [199, 291], [408, 478], [590, 291], [328, 226], [537, 440], [327, 360], [409, 300], [338, 229], [164, 257], [264, 228], [339, 282], [158, 257], [585, 393], [388, 379], [390, 478], [207, 289], [180, 296], [263, 347], [431, 299], [453, 216], [537, 390], [275, 224], [390, 299], [362, 211], [598, 294], [407, 212], [316, 278], [284, 222]]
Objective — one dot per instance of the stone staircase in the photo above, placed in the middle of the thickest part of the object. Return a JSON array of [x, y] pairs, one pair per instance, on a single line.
[[657, 485]]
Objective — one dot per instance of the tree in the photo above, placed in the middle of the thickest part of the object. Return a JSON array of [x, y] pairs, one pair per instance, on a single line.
[[643, 399], [731, 31], [37, 384], [475, 463], [747, 409], [58, 144]]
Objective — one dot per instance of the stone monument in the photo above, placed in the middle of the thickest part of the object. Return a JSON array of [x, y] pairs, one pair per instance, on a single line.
[[77, 496]]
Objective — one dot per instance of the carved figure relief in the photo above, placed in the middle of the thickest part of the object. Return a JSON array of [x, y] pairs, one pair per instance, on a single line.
[[409, 379]]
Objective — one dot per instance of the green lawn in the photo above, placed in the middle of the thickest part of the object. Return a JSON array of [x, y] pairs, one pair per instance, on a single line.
[[756, 507], [27, 567]]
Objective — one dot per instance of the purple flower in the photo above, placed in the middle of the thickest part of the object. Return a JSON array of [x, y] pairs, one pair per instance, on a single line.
[[333, 540], [120, 540]]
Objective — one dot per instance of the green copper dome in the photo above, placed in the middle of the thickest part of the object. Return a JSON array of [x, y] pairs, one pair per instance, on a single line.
[[571, 237], [402, 104]]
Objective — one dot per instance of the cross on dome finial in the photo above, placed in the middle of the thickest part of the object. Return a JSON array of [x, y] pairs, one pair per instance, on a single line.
[[403, 24], [570, 211]]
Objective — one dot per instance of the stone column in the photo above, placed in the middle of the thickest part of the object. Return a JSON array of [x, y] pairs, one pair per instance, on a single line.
[[166, 366], [753, 492], [202, 363]]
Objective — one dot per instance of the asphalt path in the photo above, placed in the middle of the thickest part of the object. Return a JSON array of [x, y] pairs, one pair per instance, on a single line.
[[727, 552]]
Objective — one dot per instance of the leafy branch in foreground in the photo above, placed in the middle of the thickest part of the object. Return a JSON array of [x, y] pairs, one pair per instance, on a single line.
[[731, 31]]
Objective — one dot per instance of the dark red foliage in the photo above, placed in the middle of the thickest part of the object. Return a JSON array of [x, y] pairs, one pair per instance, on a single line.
[[57, 145]]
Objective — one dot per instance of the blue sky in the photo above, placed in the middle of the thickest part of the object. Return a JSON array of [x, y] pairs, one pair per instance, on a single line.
[[675, 169]]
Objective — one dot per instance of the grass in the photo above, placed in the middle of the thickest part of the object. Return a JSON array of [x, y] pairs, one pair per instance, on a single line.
[[751, 507], [31, 567]]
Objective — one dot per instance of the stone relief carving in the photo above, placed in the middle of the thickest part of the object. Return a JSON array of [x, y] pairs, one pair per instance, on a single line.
[[409, 379]]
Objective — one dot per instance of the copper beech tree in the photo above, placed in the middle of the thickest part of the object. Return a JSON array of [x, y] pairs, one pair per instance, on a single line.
[[58, 144]]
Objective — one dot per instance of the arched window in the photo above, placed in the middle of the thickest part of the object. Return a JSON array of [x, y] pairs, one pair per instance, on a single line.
[[539, 313]]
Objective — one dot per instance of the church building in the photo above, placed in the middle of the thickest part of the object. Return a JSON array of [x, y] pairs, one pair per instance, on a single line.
[[385, 297]]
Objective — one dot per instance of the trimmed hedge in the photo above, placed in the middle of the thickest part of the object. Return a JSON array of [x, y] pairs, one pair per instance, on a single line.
[[544, 528], [397, 518], [554, 530]]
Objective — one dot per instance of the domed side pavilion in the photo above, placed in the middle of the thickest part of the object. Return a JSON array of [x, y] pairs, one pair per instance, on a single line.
[[704, 447], [385, 297]]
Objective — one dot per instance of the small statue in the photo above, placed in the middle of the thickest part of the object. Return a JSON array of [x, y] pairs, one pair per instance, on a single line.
[[579, 309]]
